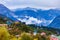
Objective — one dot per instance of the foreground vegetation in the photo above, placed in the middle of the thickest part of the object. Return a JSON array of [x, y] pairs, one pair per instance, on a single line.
[[5, 35], [21, 31]]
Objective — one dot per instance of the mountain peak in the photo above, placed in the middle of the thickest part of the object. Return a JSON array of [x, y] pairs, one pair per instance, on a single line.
[[27, 7], [1, 5]]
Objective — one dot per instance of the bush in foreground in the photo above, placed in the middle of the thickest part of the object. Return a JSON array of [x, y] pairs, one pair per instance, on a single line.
[[4, 35], [25, 36]]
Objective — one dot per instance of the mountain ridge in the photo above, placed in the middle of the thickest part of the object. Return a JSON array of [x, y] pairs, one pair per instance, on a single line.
[[56, 22], [32, 15]]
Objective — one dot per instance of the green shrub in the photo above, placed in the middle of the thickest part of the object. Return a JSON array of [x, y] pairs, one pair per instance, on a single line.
[[13, 37], [4, 35], [26, 37]]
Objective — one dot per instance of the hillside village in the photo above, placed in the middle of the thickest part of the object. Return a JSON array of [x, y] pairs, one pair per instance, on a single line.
[[25, 32]]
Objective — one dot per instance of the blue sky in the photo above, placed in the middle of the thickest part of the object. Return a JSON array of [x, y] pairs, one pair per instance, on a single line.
[[44, 4]]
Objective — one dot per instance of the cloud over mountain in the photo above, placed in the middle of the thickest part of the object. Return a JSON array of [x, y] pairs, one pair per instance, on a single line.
[[44, 4]]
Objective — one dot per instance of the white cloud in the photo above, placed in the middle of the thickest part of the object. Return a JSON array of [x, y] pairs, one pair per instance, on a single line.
[[31, 3], [14, 16], [30, 20], [34, 20]]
